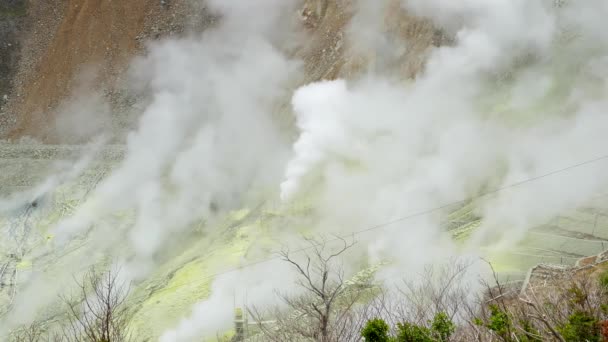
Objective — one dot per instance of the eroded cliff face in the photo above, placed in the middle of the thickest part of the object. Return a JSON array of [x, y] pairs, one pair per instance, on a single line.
[[12, 22], [53, 43], [339, 47], [60, 40]]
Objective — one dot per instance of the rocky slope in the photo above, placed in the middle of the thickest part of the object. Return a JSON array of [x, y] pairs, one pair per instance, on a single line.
[[12, 22], [58, 41], [54, 43]]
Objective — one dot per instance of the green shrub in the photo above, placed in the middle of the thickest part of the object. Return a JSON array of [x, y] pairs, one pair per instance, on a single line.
[[376, 330], [499, 322], [409, 332], [529, 334], [581, 327], [478, 321], [442, 327], [578, 297], [603, 279], [441, 330]]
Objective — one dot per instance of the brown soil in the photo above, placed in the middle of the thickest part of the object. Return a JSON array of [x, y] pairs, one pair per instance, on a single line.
[[329, 54], [68, 36]]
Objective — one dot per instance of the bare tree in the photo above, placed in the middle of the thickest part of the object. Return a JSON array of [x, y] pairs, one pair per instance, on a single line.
[[439, 288], [555, 305], [561, 305], [98, 313], [552, 303], [325, 312], [32, 333]]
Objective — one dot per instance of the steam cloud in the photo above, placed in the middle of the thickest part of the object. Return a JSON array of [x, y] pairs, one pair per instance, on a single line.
[[476, 118], [204, 141], [513, 97]]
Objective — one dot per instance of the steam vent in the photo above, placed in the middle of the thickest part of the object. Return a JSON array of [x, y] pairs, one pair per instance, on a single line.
[[269, 170]]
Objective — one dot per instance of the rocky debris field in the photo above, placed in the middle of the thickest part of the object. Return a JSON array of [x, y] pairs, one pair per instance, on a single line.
[[12, 22], [48, 45]]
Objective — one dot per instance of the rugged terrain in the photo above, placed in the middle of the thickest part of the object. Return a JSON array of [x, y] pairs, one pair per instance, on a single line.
[[59, 49], [54, 50], [53, 43]]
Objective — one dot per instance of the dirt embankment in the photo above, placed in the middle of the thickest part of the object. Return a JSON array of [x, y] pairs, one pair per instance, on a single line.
[[333, 50], [12, 18], [65, 37]]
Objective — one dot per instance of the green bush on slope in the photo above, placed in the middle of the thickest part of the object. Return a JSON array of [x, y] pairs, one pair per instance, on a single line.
[[376, 330], [440, 330]]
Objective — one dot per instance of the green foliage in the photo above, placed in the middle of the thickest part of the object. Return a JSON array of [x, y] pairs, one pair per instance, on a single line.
[[442, 327], [409, 332], [578, 297], [376, 330], [499, 322], [603, 279], [581, 327], [529, 334], [478, 321]]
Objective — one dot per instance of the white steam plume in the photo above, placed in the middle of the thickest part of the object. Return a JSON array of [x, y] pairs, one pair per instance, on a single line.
[[204, 141], [247, 288], [383, 149], [206, 136], [507, 101], [379, 149], [85, 114]]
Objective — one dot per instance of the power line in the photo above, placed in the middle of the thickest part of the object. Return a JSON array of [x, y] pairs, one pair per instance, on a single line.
[[405, 218], [483, 194], [389, 223]]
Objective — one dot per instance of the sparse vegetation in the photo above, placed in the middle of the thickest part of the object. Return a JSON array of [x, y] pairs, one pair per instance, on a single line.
[[326, 311], [96, 313], [570, 307], [603, 279], [580, 327]]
